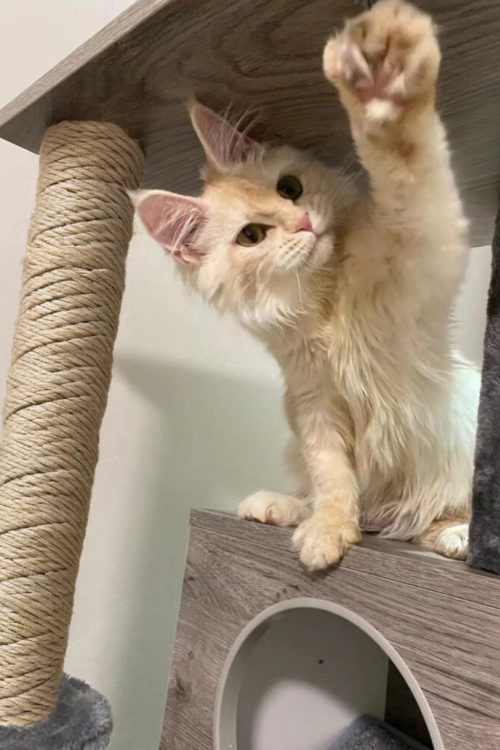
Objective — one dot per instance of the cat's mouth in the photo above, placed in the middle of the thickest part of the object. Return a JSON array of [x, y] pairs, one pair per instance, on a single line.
[[321, 248], [312, 252]]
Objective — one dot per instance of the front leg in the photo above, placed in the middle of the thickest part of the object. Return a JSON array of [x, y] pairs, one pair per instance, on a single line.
[[385, 65], [323, 538]]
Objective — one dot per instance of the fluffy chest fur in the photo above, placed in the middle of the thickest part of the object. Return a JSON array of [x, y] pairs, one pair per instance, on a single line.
[[378, 377]]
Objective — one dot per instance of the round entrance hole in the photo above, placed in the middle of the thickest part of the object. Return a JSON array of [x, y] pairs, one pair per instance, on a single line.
[[303, 671]]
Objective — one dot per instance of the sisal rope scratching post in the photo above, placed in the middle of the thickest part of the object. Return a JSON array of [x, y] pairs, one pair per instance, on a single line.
[[57, 390]]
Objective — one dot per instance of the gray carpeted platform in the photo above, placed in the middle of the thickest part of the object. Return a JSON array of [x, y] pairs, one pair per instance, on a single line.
[[370, 734], [484, 549], [81, 721]]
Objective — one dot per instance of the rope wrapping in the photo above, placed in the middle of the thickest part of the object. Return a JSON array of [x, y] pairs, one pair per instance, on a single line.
[[72, 287]]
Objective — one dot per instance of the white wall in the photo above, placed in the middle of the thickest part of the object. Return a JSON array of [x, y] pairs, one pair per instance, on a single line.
[[193, 418]]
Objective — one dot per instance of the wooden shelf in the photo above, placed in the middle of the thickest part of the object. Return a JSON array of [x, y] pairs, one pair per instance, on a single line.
[[394, 561], [442, 618], [263, 54]]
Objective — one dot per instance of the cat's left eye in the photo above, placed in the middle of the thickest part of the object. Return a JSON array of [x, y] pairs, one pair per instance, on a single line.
[[289, 187], [252, 234]]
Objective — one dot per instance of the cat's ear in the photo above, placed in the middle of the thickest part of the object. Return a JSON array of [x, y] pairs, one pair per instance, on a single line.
[[223, 144], [172, 220]]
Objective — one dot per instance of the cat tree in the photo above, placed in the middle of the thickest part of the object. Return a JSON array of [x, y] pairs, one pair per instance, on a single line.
[[436, 621]]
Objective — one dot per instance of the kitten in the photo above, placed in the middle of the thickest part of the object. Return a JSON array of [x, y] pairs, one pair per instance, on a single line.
[[351, 292]]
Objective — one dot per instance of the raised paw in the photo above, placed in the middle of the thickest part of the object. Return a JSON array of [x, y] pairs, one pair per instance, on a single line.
[[274, 509], [322, 542], [384, 60]]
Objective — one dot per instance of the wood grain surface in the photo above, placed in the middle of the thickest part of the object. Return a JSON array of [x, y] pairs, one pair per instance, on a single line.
[[437, 623], [264, 55], [395, 561]]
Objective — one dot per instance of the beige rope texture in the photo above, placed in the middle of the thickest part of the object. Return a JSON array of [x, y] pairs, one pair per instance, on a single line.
[[56, 395]]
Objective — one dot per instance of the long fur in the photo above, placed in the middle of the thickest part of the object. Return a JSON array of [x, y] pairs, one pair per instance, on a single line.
[[383, 409]]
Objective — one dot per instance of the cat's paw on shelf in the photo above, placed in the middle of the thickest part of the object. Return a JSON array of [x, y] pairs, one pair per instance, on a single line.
[[322, 542], [274, 509], [448, 538]]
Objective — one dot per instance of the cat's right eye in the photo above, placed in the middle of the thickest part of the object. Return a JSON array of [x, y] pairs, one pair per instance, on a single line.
[[289, 187], [252, 234]]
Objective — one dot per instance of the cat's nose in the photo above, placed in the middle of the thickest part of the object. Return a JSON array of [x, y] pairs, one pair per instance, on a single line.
[[304, 225]]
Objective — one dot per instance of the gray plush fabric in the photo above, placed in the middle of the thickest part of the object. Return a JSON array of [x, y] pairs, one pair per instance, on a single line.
[[370, 734], [81, 721], [484, 547]]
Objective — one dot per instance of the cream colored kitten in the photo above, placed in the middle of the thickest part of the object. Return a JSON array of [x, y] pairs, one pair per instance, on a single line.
[[351, 292]]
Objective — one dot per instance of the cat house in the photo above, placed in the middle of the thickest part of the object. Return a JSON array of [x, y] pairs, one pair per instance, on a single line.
[[270, 656]]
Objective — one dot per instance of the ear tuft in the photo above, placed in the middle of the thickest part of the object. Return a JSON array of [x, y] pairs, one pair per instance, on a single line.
[[223, 144], [172, 220]]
